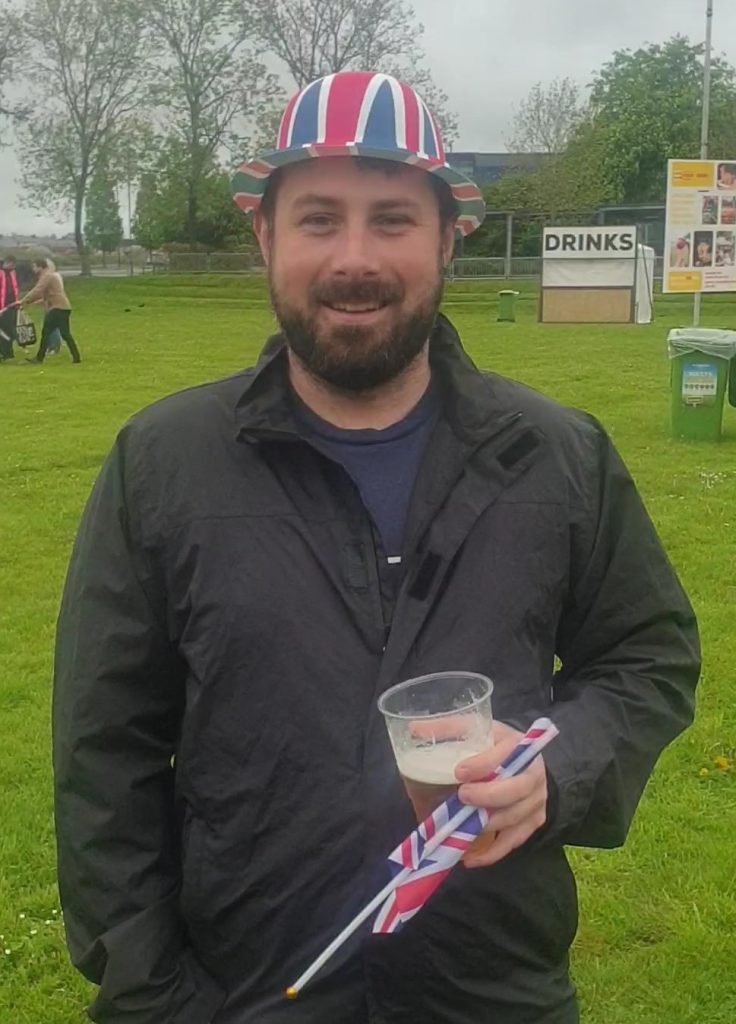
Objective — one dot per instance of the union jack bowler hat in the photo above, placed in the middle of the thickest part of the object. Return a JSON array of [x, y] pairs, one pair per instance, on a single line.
[[359, 113]]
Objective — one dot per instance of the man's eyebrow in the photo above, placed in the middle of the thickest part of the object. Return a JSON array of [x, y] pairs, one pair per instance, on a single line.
[[402, 203], [314, 199]]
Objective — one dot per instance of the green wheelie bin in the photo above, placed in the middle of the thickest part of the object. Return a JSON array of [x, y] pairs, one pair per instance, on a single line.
[[700, 360], [506, 305]]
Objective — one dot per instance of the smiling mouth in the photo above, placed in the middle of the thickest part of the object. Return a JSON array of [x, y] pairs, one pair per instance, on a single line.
[[349, 307]]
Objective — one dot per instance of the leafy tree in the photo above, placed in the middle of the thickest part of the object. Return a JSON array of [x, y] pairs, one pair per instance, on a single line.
[[148, 227], [88, 54], [567, 188], [161, 214], [11, 48], [547, 118], [646, 108], [103, 226], [208, 77], [575, 183], [129, 158], [318, 37], [222, 224], [513, 193]]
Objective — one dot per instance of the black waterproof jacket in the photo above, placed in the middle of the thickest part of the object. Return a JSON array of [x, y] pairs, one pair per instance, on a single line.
[[225, 791]]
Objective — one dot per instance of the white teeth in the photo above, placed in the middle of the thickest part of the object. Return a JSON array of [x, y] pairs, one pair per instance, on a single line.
[[355, 309]]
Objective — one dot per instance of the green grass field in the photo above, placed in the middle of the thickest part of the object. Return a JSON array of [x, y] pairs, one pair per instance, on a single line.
[[657, 942]]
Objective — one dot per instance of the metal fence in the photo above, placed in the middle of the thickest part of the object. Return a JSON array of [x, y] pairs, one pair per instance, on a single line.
[[214, 263], [476, 268], [485, 268], [479, 267]]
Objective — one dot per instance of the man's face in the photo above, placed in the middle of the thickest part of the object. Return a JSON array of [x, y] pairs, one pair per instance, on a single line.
[[355, 263], [727, 176]]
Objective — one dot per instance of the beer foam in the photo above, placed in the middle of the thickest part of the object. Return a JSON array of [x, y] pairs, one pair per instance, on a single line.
[[434, 765]]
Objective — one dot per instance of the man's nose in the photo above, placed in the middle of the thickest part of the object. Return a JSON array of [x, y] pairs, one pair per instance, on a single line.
[[355, 252]]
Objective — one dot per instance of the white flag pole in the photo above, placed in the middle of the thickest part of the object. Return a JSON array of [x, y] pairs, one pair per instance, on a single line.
[[705, 119]]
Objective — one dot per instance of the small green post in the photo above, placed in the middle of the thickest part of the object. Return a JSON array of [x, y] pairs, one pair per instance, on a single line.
[[506, 305]]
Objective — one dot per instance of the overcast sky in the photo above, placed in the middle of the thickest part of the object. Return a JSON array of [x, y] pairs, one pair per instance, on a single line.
[[486, 55]]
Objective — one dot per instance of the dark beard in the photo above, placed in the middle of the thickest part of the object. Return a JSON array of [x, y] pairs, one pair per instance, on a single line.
[[357, 359]]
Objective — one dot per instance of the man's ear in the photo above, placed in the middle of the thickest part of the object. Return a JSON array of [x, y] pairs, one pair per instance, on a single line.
[[262, 231], [448, 243]]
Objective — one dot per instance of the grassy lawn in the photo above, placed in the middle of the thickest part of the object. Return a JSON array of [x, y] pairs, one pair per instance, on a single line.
[[657, 941]]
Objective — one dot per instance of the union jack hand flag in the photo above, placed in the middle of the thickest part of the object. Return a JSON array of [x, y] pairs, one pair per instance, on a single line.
[[430, 852]]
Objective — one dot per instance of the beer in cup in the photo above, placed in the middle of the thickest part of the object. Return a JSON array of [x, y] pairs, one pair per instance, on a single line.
[[434, 722]]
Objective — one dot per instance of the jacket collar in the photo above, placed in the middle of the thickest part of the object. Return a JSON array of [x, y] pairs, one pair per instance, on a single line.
[[263, 410]]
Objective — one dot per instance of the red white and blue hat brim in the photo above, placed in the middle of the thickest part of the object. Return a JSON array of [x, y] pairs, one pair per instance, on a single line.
[[250, 180]]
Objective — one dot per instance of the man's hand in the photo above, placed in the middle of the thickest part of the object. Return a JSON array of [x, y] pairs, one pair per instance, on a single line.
[[517, 806]]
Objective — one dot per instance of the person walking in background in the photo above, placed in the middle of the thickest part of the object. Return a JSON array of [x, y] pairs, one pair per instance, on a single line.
[[53, 346], [8, 308], [49, 289]]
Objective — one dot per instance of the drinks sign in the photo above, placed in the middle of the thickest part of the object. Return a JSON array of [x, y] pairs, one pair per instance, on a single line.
[[589, 243]]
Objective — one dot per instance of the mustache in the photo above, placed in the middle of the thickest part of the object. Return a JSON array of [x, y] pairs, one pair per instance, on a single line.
[[374, 291]]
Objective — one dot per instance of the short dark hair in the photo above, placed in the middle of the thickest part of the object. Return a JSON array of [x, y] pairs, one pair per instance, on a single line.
[[42, 262], [9, 259], [448, 205]]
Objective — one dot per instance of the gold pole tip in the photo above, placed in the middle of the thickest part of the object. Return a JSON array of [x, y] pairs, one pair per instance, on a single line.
[[292, 993]]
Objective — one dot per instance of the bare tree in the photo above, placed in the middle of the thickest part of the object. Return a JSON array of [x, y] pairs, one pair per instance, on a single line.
[[547, 118], [319, 37], [420, 78], [209, 76], [11, 48], [86, 59]]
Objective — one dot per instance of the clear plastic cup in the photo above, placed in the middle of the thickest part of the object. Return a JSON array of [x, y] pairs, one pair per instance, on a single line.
[[434, 722]]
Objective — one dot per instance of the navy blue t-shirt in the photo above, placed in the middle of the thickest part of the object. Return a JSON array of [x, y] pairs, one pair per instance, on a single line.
[[382, 463]]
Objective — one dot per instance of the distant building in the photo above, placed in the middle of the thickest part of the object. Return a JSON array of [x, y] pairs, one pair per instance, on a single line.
[[14, 242], [485, 168]]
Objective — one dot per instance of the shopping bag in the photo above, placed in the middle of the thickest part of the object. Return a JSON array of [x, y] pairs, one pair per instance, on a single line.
[[26, 330]]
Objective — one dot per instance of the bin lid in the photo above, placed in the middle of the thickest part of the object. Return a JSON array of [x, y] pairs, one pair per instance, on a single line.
[[710, 341]]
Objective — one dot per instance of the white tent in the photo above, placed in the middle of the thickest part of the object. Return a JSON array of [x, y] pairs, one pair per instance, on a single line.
[[644, 285]]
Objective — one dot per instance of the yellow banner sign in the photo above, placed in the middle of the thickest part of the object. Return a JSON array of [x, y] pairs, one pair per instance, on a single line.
[[684, 281], [692, 173]]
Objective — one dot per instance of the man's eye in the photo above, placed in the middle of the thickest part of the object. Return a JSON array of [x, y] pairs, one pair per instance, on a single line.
[[393, 220], [318, 220]]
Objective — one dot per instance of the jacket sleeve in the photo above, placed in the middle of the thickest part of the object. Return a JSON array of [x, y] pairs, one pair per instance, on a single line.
[[628, 643], [34, 295], [117, 704]]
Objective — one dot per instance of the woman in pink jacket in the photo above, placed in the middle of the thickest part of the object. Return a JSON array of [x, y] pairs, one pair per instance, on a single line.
[[8, 316]]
